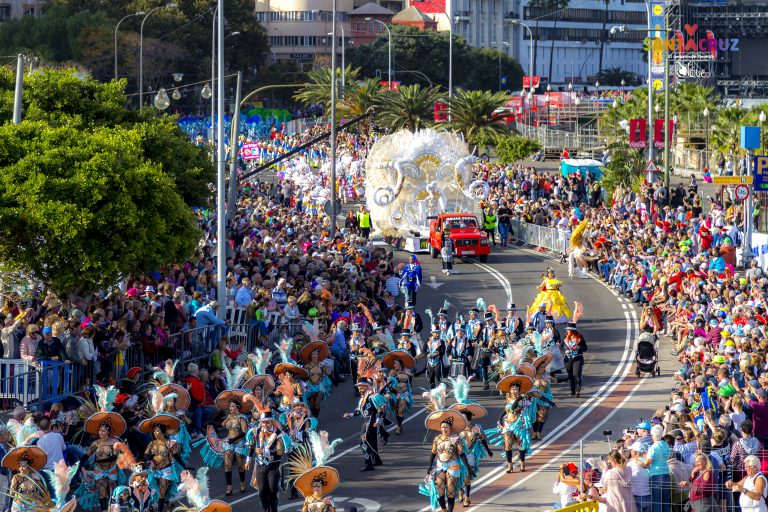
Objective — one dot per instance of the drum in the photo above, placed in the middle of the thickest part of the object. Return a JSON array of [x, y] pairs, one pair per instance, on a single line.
[[458, 368]]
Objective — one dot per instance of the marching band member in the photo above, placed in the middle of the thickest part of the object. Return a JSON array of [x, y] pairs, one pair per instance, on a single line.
[[370, 407], [266, 446]]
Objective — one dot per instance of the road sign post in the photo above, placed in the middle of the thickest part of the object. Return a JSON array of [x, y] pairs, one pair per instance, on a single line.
[[749, 140]]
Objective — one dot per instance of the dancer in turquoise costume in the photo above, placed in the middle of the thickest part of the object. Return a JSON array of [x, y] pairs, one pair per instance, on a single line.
[[513, 429]]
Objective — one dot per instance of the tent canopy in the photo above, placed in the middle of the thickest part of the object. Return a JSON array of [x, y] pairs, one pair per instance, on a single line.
[[583, 165]]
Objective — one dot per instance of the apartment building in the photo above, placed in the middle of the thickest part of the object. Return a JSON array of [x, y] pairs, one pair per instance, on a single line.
[[14, 9]]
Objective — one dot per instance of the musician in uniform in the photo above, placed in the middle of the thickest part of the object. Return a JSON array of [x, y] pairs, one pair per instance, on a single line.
[[460, 352], [266, 446], [435, 349], [410, 279], [370, 406]]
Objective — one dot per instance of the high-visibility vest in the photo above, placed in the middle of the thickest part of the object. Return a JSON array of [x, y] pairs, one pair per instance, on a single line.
[[489, 221], [365, 220]]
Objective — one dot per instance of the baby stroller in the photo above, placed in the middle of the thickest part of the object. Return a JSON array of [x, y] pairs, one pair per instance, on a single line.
[[647, 355]]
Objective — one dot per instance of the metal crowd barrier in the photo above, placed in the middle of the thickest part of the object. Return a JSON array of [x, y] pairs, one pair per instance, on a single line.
[[541, 238]]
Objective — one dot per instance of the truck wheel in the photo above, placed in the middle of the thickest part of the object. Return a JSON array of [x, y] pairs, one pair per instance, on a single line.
[[432, 251], [483, 258]]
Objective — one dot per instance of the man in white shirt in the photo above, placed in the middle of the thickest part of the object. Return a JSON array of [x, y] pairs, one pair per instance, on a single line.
[[51, 442]]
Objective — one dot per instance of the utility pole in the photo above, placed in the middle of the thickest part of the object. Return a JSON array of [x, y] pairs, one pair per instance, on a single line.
[[19, 89], [221, 212], [332, 177], [232, 193]]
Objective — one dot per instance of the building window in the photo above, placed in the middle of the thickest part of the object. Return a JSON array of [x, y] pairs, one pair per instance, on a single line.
[[5, 12]]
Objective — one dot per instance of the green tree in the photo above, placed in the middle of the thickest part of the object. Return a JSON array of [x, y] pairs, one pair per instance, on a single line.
[[421, 57], [472, 115], [614, 76], [410, 108], [625, 168], [362, 97], [81, 209], [67, 98], [317, 88], [514, 149]]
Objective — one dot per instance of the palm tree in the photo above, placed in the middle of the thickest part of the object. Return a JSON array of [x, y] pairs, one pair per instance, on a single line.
[[724, 137], [689, 101], [410, 108], [614, 76], [317, 89], [361, 98], [472, 115]]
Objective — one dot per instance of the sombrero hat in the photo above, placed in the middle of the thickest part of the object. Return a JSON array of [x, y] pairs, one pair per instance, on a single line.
[[405, 358], [474, 408], [34, 455], [233, 395], [295, 369], [524, 382], [542, 362], [527, 369], [306, 352], [165, 420], [326, 474], [182, 395], [95, 421], [458, 420], [217, 506], [69, 506], [265, 382]]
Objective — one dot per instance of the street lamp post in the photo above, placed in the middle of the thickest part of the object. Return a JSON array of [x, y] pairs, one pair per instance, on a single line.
[[140, 13], [500, 43], [706, 137], [343, 69], [450, 51], [332, 177], [221, 214], [530, 49], [761, 118], [615, 115], [141, 50], [389, 65]]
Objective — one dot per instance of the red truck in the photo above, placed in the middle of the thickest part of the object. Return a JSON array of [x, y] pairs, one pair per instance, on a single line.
[[463, 228]]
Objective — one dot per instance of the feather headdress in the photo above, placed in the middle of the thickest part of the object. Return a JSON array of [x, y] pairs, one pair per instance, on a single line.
[[155, 403], [367, 364], [322, 448], [60, 478], [387, 339], [22, 432], [195, 487], [431, 316], [258, 361], [435, 398], [284, 349], [285, 389], [447, 305], [480, 304], [164, 375], [493, 309], [459, 388], [234, 377], [311, 329], [299, 461], [105, 397], [578, 311]]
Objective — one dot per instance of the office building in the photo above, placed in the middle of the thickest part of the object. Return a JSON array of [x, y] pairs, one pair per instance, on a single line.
[[298, 29], [14, 9]]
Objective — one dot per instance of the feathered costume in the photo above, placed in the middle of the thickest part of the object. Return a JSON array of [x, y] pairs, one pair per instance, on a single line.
[[30, 494], [577, 264], [164, 377], [195, 489], [449, 467], [107, 456], [303, 472], [318, 384], [551, 295]]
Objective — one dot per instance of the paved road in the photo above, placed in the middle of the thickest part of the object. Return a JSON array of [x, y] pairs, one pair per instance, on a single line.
[[610, 327]]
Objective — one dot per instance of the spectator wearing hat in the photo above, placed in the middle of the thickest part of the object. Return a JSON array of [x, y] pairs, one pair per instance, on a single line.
[[50, 348], [28, 345]]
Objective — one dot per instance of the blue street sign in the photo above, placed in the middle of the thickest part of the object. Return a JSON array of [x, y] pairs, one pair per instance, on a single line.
[[503, 80], [760, 173]]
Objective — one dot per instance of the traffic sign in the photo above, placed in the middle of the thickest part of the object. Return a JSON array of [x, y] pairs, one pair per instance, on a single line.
[[760, 172], [741, 192], [651, 167], [504, 81], [732, 180]]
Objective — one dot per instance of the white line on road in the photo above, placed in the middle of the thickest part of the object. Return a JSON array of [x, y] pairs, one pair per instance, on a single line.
[[499, 277]]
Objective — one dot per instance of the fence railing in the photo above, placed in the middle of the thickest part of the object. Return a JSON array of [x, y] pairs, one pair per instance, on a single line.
[[550, 240]]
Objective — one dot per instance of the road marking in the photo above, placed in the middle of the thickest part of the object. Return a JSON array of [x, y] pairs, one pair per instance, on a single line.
[[499, 277], [365, 505], [632, 325], [434, 284], [340, 455]]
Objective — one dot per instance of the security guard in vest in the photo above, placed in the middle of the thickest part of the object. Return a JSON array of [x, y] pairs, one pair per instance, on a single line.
[[364, 221], [489, 223]]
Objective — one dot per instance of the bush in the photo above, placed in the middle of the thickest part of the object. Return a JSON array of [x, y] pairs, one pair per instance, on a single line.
[[514, 149]]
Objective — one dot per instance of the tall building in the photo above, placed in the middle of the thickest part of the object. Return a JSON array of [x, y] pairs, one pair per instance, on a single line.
[[298, 29], [14, 9], [571, 36]]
